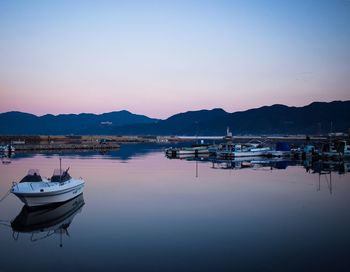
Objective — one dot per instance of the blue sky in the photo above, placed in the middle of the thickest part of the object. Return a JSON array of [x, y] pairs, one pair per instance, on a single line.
[[162, 57]]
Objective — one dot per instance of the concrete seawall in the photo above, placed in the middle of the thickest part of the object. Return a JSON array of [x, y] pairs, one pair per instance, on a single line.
[[85, 146]]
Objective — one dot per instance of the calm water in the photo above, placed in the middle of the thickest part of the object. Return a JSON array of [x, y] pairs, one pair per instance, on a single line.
[[144, 212]]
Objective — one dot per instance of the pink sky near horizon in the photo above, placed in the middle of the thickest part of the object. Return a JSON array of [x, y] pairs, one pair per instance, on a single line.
[[165, 58], [163, 113]]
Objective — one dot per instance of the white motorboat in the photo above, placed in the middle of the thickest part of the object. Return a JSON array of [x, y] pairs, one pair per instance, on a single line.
[[230, 150], [33, 190], [243, 150]]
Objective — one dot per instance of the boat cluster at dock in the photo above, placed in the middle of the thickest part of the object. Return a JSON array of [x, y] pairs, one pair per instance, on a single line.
[[230, 150]]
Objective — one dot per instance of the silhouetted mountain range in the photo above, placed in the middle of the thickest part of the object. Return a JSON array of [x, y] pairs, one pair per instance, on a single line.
[[19, 123], [276, 119]]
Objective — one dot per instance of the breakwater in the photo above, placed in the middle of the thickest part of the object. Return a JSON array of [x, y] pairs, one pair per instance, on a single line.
[[65, 146]]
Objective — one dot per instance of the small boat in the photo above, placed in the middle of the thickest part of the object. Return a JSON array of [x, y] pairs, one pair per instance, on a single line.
[[33, 190], [243, 150]]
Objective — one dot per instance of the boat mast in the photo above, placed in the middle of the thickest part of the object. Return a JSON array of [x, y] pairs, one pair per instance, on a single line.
[[60, 169]]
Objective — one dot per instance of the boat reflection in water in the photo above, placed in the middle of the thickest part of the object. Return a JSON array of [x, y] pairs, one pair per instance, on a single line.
[[324, 168], [45, 221], [317, 166], [245, 162]]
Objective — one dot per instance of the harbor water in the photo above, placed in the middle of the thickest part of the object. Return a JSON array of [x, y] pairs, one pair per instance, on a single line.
[[141, 211]]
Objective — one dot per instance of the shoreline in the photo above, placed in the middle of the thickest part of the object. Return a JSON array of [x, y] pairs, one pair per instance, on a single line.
[[105, 142]]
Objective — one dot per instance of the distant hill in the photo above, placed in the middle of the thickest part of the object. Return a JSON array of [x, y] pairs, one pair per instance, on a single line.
[[276, 119], [279, 119], [19, 123]]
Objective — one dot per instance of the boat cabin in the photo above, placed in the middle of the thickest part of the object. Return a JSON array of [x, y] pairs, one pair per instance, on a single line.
[[60, 176], [32, 176]]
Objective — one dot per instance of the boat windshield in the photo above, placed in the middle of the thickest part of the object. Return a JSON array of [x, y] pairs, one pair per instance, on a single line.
[[32, 176], [60, 176]]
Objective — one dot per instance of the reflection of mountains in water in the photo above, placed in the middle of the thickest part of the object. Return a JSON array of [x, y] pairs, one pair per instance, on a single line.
[[50, 219]]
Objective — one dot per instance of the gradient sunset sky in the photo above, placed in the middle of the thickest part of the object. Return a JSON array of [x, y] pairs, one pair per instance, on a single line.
[[159, 58]]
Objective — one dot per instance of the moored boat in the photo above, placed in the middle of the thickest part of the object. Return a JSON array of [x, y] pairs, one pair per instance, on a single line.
[[228, 149], [33, 190], [243, 150]]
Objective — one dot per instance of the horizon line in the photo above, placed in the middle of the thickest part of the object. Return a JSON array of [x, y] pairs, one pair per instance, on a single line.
[[194, 110]]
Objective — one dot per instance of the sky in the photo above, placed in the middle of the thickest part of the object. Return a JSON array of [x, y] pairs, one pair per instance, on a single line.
[[159, 58]]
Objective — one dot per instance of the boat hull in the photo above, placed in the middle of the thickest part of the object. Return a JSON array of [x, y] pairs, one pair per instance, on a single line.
[[39, 198]]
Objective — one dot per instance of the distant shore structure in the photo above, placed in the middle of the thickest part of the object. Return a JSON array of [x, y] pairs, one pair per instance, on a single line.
[[106, 123], [108, 142]]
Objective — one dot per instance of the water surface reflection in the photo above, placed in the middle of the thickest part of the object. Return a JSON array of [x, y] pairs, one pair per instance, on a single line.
[[43, 222], [156, 214]]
